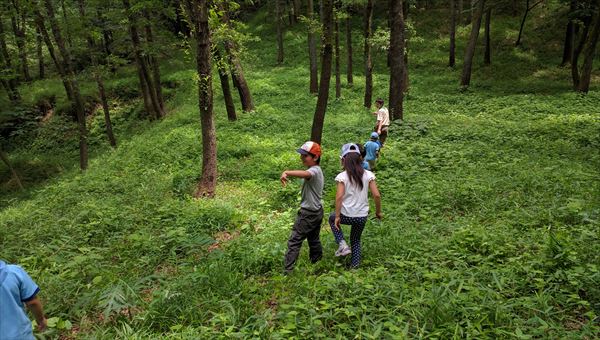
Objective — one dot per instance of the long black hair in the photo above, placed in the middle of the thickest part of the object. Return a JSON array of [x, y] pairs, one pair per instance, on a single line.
[[353, 165]]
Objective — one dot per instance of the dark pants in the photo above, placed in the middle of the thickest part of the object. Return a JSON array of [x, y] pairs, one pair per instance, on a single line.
[[307, 226], [383, 134], [357, 225]]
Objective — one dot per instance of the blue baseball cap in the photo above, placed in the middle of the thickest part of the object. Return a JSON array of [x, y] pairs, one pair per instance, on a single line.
[[349, 148], [374, 135]]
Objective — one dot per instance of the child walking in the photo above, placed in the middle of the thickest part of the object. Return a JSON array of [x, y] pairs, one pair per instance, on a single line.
[[352, 203], [372, 150], [310, 216]]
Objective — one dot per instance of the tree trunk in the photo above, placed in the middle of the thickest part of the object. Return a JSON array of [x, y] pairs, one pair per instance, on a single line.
[[487, 60], [237, 72], [208, 181], [296, 4], [224, 78], [349, 47], [461, 8], [6, 67], [396, 54], [70, 75], [19, 31], [470, 51], [312, 52], [40, 54], [321, 108], [452, 54], [527, 10], [338, 80], [588, 56], [15, 176], [577, 51], [155, 70], [368, 99], [279, 32], [66, 24], [569, 36]]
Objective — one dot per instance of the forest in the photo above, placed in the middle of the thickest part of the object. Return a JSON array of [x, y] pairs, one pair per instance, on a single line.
[[144, 144]]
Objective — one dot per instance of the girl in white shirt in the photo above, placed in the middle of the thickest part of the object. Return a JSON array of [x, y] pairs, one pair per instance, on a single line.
[[352, 202]]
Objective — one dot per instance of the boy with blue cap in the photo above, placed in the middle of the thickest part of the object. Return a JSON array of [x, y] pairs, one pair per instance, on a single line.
[[310, 216], [18, 290], [372, 150]]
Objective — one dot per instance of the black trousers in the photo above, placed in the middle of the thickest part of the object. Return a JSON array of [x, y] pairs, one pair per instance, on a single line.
[[307, 226]]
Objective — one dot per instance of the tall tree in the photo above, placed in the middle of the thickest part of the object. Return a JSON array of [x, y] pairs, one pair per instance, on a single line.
[[321, 108], [338, 80], [224, 79], [368, 33], [583, 36], [528, 9], [312, 49], [452, 50], [69, 78], [237, 71], [487, 54], [198, 10], [279, 32], [569, 35], [470, 51], [19, 22], [349, 70], [589, 53], [397, 67], [153, 63], [40, 54], [8, 74]]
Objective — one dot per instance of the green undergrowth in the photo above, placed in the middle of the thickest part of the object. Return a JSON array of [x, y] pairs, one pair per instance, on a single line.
[[490, 201]]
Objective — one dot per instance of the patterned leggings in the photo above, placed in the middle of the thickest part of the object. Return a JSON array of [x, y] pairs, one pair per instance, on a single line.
[[357, 224]]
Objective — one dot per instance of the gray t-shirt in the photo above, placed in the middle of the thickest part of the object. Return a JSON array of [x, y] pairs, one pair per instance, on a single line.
[[312, 189]]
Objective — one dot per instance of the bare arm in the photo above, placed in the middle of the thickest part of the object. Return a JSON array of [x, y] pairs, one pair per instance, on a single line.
[[339, 195], [294, 173], [35, 306], [376, 198], [379, 123]]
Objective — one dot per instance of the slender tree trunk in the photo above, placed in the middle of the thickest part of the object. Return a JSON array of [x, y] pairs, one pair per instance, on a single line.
[[569, 36], [208, 181], [452, 52], [321, 108], [224, 78], [312, 52], [368, 99], [588, 56], [11, 83], [78, 101], [577, 51], [396, 54], [470, 51], [279, 32], [40, 54], [527, 10], [155, 70], [237, 72], [66, 23], [487, 60], [296, 4], [15, 176], [349, 47], [338, 80], [18, 27], [461, 8]]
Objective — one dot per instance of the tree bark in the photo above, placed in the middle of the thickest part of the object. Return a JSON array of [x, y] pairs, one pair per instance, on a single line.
[[296, 4], [349, 70], [452, 50], [208, 181], [588, 56], [577, 51], [18, 25], [470, 51], [224, 78], [40, 54], [397, 67], [368, 99], [312, 51], [338, 80], [321, 108], [155, 66], [279, 32], [461, 8], [569, 36], [487, 59], [11, 83], [15, 176], [71, 79], [527, 10]]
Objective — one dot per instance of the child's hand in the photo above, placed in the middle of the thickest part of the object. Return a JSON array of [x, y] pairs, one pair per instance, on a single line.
[[379, 215], [283, 178], [336, 223], [43, 325]]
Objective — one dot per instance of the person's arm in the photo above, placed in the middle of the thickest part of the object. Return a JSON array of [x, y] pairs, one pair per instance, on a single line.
[[379, 123], [294, 173], [376, 198], [339, 195], [35, 306]]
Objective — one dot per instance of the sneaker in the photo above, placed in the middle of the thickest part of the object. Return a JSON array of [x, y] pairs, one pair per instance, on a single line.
[[343, 251]]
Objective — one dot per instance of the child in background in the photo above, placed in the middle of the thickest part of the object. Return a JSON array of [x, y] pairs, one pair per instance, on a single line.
[[310, 216], [18, 290], [352, 202], [372, 150], [363, 154]]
